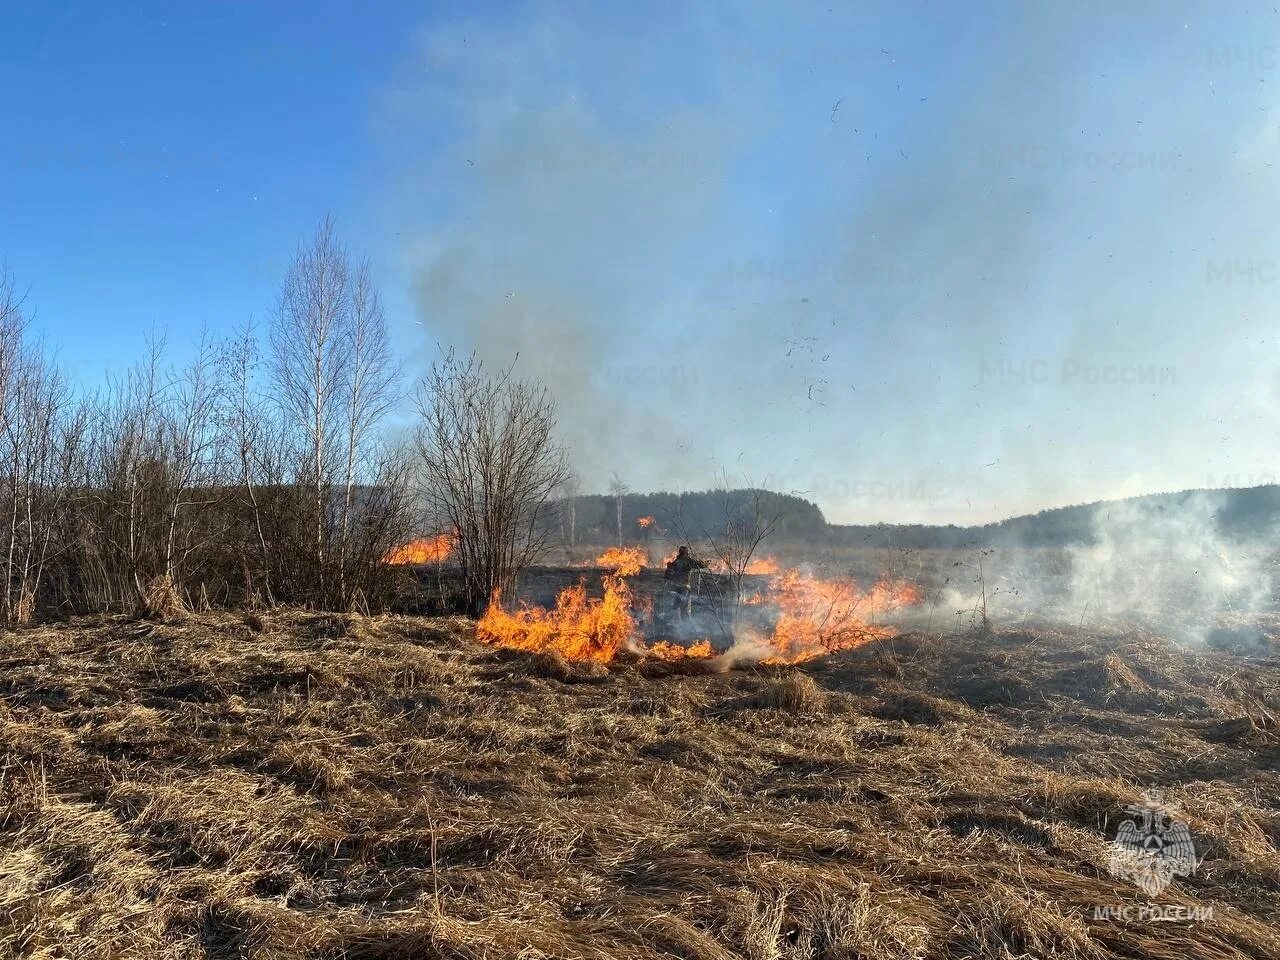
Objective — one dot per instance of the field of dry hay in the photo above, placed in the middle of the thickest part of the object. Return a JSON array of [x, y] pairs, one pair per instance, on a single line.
[[313, 786]]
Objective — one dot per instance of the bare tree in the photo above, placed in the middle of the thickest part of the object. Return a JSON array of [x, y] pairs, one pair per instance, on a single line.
[[746, 520], [309, 345], [572, 488], [489, 467], [619, 490], [372, 388], [40, 430], [334, 380], [253, 444], [191, 445], [154, 476], [125, 472]]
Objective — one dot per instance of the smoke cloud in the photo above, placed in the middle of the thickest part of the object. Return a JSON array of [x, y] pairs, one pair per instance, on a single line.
[[917, 265]]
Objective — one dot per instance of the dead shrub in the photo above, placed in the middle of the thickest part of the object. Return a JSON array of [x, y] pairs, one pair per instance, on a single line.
[[161, 600], [795, 692], [25, 609]]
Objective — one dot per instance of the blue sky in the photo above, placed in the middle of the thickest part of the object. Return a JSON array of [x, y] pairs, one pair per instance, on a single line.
[[916, 262], [171, 156]]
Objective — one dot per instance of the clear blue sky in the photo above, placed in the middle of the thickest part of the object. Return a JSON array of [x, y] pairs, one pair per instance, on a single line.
[[918, 262], [166, 158]]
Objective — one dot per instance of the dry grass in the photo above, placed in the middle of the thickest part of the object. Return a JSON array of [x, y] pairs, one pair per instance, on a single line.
[[289, 785], [161, 600], [795, 692]]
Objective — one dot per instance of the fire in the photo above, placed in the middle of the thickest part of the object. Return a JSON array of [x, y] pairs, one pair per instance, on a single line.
[[819, 617], [645, 522], [663, 650], [624, 561], [760, 567], [428, 550], [808, 617], [578, 627]]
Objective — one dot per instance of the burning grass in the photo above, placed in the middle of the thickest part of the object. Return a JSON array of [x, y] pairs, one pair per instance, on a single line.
[[579, 627], [624, 561], [325, 787], [818, 617], [435, 549], [795, 617]]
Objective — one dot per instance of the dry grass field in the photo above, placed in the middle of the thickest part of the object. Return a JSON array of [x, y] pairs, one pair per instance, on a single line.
[[292, 785]]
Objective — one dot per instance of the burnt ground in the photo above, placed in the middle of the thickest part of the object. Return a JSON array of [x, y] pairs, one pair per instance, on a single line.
[[290, 785]]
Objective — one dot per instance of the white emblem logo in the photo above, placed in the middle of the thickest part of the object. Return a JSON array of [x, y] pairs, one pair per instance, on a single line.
[[1153, 847]]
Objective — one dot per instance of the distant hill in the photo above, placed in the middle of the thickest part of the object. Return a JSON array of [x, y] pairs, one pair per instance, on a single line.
[[1240, 513], [694, 514]]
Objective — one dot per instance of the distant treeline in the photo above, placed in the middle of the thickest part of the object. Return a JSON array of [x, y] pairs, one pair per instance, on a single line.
[[1241, 514], [694, 515]]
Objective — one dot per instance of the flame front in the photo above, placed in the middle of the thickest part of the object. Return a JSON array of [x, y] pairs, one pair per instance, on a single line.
[[819, 617], [815, 617], [578, 627], [758, 567], [625, 561], [427, 550]]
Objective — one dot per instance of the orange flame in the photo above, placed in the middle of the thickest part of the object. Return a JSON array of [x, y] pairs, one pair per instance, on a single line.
[[760, 567], [645, 522], [819, 617], [624, 561], [578, 628], [428, 550], [663, 650], [815, 617]]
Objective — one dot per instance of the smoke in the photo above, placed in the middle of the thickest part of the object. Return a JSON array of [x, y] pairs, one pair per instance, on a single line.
[[1170, 565], [919, 266], [564, 222], [1164, 563]]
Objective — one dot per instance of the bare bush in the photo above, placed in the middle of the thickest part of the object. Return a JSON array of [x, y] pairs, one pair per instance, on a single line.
[[227, 480], [152, 483], [253, 455], [745, 519], [489, 467]]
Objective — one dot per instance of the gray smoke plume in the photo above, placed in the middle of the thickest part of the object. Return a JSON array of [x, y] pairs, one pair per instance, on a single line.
[[839, 251]]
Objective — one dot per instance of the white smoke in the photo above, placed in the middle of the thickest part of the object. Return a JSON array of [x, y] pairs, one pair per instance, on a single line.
[[1164, 563], [1170, 565]]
